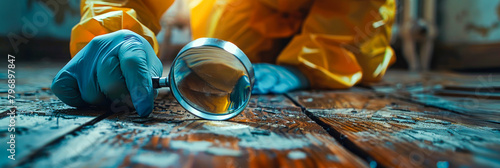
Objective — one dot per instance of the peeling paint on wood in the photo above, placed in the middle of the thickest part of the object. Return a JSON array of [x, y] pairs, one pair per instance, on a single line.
[[401, 134], [252, 139]]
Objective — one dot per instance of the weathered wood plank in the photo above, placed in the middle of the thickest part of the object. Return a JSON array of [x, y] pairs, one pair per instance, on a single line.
[[401, 134], [41, 119], [271, 132], [472, 95]]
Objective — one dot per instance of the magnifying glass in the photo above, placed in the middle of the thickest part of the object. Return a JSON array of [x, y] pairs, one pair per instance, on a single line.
[[210, 78]]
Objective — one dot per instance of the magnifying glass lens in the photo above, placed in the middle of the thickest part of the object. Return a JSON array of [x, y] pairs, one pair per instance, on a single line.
[[211, 80]]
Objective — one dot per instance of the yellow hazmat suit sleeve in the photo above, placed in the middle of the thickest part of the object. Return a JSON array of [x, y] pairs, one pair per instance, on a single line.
[[259, 28], [105, 16], [343, 43], [335, 43]]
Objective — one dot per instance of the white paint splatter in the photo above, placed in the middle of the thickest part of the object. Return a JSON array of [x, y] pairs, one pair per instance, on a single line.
[[203, 146], [296, 155], [307, 100], [156, 159], [272, 141], [223, 152], [249, 137], [196, 146], [258, 138]]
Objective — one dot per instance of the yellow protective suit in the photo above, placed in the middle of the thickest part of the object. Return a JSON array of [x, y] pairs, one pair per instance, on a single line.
[[105, 16], [335, 43]]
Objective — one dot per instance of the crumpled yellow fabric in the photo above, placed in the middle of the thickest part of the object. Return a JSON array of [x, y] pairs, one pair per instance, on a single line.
[[335, 43], [210, 83], [105, 16]]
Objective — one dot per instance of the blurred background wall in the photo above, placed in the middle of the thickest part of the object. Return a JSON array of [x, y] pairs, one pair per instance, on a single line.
[[37, 29], [469, 34], [469, 21]]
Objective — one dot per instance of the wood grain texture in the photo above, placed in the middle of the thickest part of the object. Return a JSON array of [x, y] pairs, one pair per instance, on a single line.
[[271, 132], [400, 134], [475, 95], [40, 120]]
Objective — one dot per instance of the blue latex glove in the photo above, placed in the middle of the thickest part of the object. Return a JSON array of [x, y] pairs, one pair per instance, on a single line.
[[277, 79], [113, 71]]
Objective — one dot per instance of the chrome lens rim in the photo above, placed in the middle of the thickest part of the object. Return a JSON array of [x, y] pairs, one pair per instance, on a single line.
[[227, 46]]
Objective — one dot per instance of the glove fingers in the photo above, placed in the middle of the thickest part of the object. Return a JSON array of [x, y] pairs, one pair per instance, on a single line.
[[65, 87], [285, 78], [264, 83], [286, 81], [280, 88], [264, 79], [134, 67], [112, 83]]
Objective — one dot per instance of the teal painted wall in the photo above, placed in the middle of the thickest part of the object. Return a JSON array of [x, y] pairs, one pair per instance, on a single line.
[[39, 18], [469, 21]]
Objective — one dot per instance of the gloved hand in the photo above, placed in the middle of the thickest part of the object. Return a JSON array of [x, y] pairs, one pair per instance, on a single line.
[[278, 79], [113, 70]]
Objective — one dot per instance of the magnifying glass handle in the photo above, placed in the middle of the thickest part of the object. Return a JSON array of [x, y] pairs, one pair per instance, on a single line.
[[159, 82]]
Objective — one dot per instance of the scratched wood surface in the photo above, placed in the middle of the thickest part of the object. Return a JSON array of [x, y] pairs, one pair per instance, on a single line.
[[400, 134], [41, 119], [271, 132], [475, 95]]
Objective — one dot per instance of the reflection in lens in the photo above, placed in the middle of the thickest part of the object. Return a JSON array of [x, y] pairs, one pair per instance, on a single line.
[[240, 92], [211, 80]]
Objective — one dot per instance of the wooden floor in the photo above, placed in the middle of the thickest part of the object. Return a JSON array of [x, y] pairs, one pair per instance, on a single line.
[[407, 120]]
